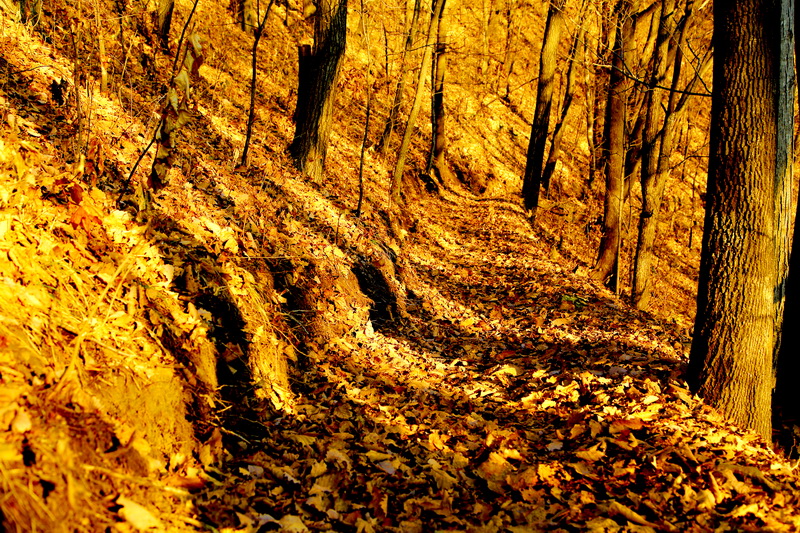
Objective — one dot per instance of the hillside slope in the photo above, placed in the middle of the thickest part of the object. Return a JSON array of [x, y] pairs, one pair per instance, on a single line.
[[241, 352]]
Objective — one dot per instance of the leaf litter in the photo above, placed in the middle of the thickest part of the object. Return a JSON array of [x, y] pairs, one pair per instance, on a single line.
[[458, 419]]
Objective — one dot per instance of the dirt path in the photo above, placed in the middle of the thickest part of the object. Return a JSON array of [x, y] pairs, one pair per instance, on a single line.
[[516, 397]]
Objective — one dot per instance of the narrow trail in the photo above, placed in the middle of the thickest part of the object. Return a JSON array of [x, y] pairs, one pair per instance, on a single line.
[[515, 397]]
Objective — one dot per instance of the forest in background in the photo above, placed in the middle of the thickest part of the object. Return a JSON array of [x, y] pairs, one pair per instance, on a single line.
[[195, 335]]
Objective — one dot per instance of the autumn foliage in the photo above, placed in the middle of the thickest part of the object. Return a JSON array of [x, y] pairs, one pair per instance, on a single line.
[[231, 348]]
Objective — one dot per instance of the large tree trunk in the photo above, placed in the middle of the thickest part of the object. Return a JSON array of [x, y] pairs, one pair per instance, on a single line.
[[319, 70], [731, 358], [614, 151], [544, 100]]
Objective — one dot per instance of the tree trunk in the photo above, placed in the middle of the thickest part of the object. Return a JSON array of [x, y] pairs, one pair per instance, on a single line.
[[164, 13], [318, 73], [544, 99], [730, 364], [788, 361], [597, 95], [614, 151], [368, 90], [486, 22], [784, 161], [436, 157], [636, 105], [391, 120], [396, 186], [558, 132], [508, 54], [651, 157], [251, 113]]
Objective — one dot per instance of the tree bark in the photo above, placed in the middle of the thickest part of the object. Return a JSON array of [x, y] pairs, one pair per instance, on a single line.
[[788, 360], [544, 99], [318, 73], [614, 151], [164, 13], [784, 166], [731, 359], [558, 132], [436, 157]]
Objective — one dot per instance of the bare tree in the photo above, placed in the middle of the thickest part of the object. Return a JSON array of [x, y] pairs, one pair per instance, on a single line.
[[544, 101], [607, 267], [652, 136], [396, 187], [664, 122], [569, 95], [368, 91], [258, 32], [394, 109], [436, 154]]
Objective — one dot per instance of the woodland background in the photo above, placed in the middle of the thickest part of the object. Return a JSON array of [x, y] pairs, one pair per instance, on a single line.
[[196, 335]]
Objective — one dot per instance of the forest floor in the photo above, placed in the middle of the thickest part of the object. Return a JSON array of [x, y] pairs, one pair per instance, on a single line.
[[516, 397], [240, 353]]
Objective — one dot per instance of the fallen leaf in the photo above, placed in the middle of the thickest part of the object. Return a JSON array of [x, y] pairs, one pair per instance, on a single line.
[[595, 453], [630, 514], [22, 422], [137, 515], [293, 524]]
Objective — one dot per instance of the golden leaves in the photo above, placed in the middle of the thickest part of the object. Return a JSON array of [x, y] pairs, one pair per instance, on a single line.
[[138, 516]]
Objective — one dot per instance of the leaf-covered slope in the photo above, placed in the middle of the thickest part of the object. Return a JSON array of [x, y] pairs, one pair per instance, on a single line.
[[516, 397]]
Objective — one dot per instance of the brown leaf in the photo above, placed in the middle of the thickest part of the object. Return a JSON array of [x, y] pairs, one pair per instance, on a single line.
[[630, 514], [76, 193]]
